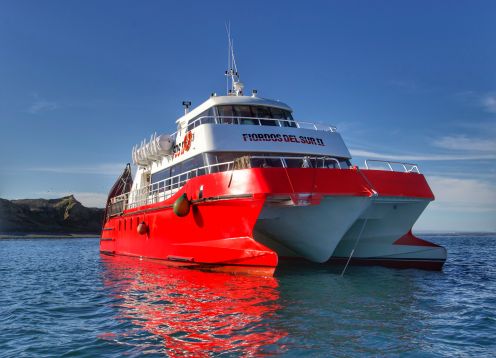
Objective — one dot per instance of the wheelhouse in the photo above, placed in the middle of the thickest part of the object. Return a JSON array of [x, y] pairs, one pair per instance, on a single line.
[[244, 114]]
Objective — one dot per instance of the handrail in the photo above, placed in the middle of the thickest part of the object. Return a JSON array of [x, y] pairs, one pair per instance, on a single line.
[[175, 183], [165, 188], [279, 122], [284, 158], [412, 167]]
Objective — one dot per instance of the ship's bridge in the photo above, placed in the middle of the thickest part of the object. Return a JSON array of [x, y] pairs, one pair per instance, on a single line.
[[250, 124], [237, 110]]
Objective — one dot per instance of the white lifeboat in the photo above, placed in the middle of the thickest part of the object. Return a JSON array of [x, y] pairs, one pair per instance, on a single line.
[[154, 150]]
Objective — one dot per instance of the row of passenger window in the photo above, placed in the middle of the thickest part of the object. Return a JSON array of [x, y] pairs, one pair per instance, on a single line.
[[243, 160], [253, 115]]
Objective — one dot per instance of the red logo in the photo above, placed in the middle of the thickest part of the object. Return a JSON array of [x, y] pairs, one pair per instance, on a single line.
[[184, 146]]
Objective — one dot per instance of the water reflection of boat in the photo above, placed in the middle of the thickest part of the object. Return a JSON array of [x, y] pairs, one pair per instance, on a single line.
[[195, 312]]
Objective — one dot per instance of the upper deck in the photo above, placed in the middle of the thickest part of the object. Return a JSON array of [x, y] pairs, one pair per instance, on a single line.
[[248, 124], [214, 100], [234, 132]]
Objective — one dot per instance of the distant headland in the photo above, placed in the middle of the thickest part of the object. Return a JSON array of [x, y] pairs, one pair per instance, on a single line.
[[63, 217]]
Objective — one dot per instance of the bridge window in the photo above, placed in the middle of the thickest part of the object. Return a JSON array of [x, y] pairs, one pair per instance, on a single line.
[[245, 113], [255, 115], [204, 117], [285, 116]]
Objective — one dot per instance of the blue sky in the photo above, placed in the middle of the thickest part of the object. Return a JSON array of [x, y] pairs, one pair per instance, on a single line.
[[82, 82]]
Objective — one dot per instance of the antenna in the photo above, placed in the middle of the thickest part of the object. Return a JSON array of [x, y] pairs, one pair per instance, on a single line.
[[232, 72], [186, 105]]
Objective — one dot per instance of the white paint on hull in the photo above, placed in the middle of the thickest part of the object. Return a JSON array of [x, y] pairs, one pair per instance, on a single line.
[[388, 219], [312, 232]]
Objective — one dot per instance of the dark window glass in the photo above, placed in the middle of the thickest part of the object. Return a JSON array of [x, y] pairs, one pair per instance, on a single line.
[[210, 116], [283, 115], [345, 163], [294, 163], [278, 113], [204, 117], [175, 170], [329, 163], [289, 121], [219, 158], [266, 163], [245, 113], [226, 114], [181, 168], [223, 158], [209, 158], [289, 117], [161, 175], [192, 163], [264, 112]]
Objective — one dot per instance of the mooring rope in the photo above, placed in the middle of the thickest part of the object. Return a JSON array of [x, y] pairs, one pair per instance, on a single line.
[[373, 196]]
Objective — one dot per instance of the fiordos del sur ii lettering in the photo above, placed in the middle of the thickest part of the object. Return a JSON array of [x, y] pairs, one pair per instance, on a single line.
[[265, 137]]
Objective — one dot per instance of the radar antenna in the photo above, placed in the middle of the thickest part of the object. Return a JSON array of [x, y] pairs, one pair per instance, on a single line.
[[232, 72]]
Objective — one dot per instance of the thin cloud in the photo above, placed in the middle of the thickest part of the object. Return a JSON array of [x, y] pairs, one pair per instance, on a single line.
[[455, 194], [462, 142], [41, 105], [404, 84], [420, 157], [489, 102], [486, 101], [102, 169]]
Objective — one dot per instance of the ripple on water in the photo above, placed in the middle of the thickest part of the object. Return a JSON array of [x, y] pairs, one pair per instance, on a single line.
[[61, 298]]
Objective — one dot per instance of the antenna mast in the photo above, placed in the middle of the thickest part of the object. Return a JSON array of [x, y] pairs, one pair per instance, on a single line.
[[232, 72]]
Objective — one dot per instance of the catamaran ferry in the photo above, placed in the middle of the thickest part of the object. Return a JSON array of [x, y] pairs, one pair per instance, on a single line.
[[242, 183]]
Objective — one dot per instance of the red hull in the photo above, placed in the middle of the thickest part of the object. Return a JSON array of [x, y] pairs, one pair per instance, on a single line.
[[218, 231]]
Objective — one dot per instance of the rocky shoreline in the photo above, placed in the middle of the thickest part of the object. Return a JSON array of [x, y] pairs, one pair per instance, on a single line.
[[63, 217]]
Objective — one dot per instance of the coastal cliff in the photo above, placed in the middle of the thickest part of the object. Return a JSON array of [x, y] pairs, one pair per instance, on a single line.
[[51, 216]]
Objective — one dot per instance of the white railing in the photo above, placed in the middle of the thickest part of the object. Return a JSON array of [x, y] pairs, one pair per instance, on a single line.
[[164, 189], [408, 167], [259, 121], [306, 162]]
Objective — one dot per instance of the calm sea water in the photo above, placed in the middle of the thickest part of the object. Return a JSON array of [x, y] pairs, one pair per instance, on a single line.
[[59, 297]]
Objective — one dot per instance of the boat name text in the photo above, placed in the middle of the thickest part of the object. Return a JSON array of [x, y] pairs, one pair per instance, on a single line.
[[265, 137]]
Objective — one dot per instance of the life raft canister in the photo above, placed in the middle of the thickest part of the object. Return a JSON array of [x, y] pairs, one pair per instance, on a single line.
[[187, 141], [182, 206]]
